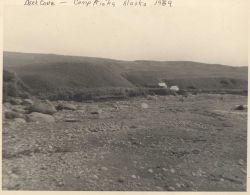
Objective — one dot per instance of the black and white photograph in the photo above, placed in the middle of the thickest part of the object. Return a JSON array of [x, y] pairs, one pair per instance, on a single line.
[[125, 95]]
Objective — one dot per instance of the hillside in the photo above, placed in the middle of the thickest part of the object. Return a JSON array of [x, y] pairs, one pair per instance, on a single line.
[[48, 72], [13, 86], [145, 73], [70, 75]]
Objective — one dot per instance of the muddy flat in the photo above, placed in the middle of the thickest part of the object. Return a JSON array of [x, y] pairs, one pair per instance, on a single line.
[[164, 143]]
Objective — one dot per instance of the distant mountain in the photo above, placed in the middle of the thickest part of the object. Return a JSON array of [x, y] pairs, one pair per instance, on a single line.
[[47, 72]]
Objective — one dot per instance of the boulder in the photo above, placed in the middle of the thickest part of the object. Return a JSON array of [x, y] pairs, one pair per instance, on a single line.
[[7, 105], [15, 101], [40, 118], [19, 120], [94, 110], [28, 102], [66, 106], [6, 108], [144, 106], [42, 106], [151, 97], [19, 110], [13, 115], [71, 120], [82, 107], [97, 111], [241, 107]]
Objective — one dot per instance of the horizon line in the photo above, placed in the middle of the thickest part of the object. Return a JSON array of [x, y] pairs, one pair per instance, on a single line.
[[114, 59]]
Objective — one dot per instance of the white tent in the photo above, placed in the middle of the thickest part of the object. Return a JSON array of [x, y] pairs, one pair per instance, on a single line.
[[163, 85], [174, 88]]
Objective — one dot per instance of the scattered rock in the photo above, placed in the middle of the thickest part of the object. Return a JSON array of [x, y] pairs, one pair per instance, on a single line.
[[150, 170], [104, 168], [241, 107], [16, 170], [15, 101], [60, 183], [121, 180], [19, 120], [27, 102], [241, 162], [99, 111], [170, 188], [144, 106], [71, 120], [40, 117], [172, 170], [181, 99], [195, 151], [94, 109], [133, 176], [93, 130], [133, 127], [43, 167], [7, 105], [51, 148], [44, 107], [150, 97], [231, 179], [158, 188], [19, 110], [95, 177], [164, 169], [199, 173], [243, 171], [81, 108], [222, 180], [13, 115], [66, 106], [227, 125]]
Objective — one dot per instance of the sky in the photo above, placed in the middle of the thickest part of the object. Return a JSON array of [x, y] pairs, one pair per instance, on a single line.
[[209, 31]]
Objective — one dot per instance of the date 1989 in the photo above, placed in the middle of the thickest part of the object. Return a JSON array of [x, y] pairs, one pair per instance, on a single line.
[[163, 3]]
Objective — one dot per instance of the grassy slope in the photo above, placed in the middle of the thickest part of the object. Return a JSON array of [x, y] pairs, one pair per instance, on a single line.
[[52, 71], [13, 86], [199, 74], [49, 72]]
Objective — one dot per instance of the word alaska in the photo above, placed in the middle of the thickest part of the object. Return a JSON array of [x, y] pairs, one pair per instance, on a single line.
[[134, 3]]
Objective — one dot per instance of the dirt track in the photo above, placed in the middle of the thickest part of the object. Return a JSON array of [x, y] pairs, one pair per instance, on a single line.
[[173, 145]]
